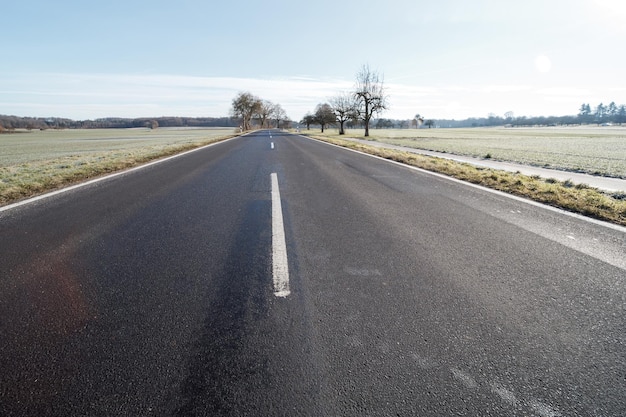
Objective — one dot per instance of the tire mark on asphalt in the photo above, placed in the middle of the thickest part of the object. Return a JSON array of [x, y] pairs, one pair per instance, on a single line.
[[224, 367]]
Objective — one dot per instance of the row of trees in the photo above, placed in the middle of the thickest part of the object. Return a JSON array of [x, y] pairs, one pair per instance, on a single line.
[[9, 123], [600, 115], [508, 119], [248, 108], [368, 99], [603, 114]]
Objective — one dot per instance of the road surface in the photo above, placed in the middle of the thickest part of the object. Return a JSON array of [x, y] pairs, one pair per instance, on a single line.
[[397, 293]]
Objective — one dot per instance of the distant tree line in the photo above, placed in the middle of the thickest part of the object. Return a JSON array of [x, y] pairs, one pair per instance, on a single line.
[[9, 123], [347, 110], [600, 115]]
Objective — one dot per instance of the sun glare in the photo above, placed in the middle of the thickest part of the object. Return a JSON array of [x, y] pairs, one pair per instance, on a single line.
[[543, 63]]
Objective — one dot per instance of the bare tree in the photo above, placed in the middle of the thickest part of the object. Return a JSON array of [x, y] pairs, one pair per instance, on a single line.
[[370, 95], [345, 107], [245, 106], [324, 115], [265, 112], [278, 114]]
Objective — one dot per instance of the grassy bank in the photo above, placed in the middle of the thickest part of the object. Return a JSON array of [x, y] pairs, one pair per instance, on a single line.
[[575, 198], [36, 162]]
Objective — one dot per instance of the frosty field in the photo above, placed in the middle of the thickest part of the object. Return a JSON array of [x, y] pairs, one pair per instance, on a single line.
[[592, 150], [38, 146], [37, 161]]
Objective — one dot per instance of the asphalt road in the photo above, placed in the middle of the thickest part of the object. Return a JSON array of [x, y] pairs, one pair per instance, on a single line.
[[152, 294]]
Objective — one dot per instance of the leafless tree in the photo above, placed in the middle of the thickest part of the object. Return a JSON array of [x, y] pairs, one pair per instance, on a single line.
[[370, 95], [265, 112], [278, 114], [324, 115], [245, 106], [345, 107]]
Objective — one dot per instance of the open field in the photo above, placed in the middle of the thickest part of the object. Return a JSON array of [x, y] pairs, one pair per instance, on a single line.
[[38, 161], [592, 150]]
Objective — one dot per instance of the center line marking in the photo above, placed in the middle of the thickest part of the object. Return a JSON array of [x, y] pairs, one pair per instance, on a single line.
[[280, 265], [272, 145]]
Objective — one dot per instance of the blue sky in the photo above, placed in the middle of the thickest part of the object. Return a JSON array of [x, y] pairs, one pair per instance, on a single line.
[[442, 59]]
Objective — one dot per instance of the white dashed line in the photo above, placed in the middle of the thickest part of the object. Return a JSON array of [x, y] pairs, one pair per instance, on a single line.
[[272, 145], [280, 265]]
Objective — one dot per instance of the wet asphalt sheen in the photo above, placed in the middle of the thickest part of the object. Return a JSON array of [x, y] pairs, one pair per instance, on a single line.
[[151, 294]]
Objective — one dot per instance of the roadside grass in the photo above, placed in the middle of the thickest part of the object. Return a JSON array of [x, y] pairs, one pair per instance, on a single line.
[[586, 149], [34, 163], [579, 199]]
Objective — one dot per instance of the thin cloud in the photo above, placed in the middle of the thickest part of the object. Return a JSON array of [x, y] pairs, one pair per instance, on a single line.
[[133, 95], [87, 96]]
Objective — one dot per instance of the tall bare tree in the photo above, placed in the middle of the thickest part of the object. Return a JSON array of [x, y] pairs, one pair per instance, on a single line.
[[245, 106], [370, 95], [345, 107]]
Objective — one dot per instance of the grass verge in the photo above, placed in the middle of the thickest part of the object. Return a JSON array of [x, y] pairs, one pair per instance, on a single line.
[[26, 180], [579, 199]]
